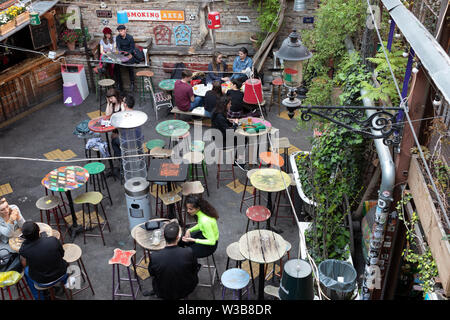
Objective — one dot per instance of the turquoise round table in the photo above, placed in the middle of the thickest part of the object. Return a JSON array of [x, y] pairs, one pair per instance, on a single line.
[[172, 128], [167, 84]]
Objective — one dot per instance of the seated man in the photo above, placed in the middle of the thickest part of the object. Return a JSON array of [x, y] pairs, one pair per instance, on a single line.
[[174, 269], [125, 43], [183, 93], [42, 258]]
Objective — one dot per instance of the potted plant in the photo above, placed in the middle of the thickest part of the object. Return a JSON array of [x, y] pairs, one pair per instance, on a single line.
[[22, 14], [69, 36], [6, 23]]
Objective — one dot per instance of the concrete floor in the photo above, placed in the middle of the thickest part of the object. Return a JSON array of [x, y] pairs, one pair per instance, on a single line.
[[51, 128]]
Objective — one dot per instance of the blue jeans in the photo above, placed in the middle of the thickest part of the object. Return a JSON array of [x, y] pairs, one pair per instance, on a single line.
[[31, 283], [198, 101], [208, 114]]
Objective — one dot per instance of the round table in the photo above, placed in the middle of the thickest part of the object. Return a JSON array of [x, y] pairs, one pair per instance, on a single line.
[[15, 242], [172, 128], [95, 125], [262, 247], [65, 179], [167, 84], [254, 120], [144, 237], [227, 85]]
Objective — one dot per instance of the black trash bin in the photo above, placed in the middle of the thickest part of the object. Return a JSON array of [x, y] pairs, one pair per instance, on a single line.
[[329, 271]]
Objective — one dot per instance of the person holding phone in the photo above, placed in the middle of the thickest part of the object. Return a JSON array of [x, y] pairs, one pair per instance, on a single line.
[[10, 220]]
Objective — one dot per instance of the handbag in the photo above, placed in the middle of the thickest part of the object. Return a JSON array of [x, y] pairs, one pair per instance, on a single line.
[[138, 54], [10, 261]]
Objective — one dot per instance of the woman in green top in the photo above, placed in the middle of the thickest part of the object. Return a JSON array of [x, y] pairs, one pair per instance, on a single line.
[[204, 236]]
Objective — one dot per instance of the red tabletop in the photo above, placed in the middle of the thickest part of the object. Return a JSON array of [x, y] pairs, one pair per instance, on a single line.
[[95, 125], [258, 213], [65, 178]]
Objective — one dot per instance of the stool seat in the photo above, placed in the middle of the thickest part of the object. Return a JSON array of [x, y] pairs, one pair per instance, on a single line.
[[92, 197], [184, 135], [235, 278], [198, 146], [122, 257], [234, 253], [145, 73], [258, 213], [277, 82], [194, 157], [72, 252], [95, 149], [95, 167], [159, 152], [271, 158], [155, 143], [251, 172], [192, 187], [56, 234], [288, 246], [106, 82], [48, 202], [170, 198], [283, 142]]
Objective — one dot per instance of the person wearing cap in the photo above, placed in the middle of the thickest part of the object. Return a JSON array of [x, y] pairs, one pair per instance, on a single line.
[[174, 269], [108, 44], [125, 43], [10, 220], [42, 258]]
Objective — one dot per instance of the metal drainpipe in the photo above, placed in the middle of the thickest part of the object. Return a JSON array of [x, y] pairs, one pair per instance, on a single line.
[[372, 273]]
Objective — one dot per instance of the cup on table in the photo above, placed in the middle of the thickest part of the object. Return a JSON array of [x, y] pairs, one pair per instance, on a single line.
[[156, 237]]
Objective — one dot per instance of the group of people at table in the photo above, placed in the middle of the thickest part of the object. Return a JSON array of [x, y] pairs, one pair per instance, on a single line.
[[174, 268]]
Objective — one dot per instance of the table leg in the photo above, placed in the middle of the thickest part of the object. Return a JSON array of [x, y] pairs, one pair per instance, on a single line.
[[261, 282], [111, 163], [270, 207], [75, 228], [171, 213]]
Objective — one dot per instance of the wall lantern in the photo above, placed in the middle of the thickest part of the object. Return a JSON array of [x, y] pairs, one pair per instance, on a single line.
[[293, 53]]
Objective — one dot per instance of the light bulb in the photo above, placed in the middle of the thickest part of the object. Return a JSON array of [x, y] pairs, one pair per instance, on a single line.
[[415, 70], [397, 35], [405, 54], [437, 101]]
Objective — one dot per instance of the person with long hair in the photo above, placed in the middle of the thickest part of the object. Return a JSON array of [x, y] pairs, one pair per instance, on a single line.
[[108, 44], [204, 236], [240, 63], [219, 118], [114, 102], [217, 69], [212, 97], [237, 108]]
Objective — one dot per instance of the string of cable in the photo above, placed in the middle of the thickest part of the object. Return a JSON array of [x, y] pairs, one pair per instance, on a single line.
[[403, 105]]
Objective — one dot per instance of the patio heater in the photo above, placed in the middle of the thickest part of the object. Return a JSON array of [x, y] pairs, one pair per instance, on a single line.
[[129, 124], [293, 53]]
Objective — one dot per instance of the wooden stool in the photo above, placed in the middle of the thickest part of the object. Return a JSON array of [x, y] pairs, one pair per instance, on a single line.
[[257, 214], [145, 80], [271, 159], [72, 253], [290, 189], [283, 143], [235, 279], [276, 83], [97, 177], [153, 144], [51, 288], [160, 153], [98, 76], [51, 204], [194, 159], [124, 258], [254, 193], [211, 276], [169, 198], [15, 279], [219, 171], [161, 187], [199, 146], [92, 198], [234, 253], [103, 86], [190, 187], [64, 203]]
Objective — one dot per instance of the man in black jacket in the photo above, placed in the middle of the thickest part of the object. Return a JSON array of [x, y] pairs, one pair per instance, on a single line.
[[174, 269], [125, 42]]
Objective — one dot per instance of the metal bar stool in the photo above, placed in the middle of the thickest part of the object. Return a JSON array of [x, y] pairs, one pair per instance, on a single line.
[[153, 144], [145, 80], [235, 279], [219, 171], [72, 253], [97, 177], [124, 258], [92, 198], [169, 198], [212, 277], [255, 194], [15, 279], [51, 205], [190, 187], [103, 86], [234, 253], [257, 214], [278, 84], [194, 159]]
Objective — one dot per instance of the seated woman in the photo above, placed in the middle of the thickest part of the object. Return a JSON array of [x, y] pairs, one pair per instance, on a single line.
[[241, 62], [212, 97], [216, 69], [204, 236], [10, 220], [237, 109], [113, 102], [108, 44], [219, 118]]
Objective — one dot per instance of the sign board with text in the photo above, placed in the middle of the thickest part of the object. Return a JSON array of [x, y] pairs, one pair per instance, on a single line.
[[155, 15], [103, 13]]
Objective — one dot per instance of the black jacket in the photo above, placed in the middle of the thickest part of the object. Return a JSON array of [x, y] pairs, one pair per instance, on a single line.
[[220, 121]]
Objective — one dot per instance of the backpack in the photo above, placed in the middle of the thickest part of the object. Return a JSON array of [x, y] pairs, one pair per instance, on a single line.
[[138, 54], [176, 72]]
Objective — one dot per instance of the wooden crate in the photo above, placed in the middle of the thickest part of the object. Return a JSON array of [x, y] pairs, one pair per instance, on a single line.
[[431, 223], [22, 18], [7, 27]]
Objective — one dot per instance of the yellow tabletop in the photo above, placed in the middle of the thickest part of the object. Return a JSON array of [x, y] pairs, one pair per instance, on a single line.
[[270, 180]]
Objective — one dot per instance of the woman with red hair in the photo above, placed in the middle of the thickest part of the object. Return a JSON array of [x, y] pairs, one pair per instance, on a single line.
[[108, 44]]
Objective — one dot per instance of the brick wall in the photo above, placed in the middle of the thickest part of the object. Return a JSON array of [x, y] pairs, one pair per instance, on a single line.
[[230, 26]]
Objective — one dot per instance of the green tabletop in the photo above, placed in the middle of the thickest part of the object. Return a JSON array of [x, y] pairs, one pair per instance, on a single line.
[[95, 167], [172, 128], [167, 84]]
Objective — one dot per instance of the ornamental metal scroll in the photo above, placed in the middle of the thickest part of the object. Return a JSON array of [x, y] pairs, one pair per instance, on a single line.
[[382, 121]]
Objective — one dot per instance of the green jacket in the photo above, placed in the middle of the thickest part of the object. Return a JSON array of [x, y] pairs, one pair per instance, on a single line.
[[208, 226]]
